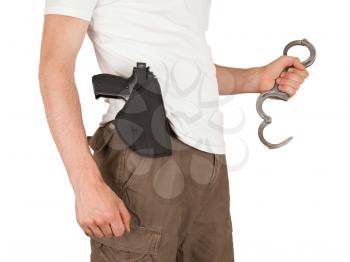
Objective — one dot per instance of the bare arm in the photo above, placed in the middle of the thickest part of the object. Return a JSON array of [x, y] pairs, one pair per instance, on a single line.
[[260, 79], [237, 80], [96, 203], [60, 96]]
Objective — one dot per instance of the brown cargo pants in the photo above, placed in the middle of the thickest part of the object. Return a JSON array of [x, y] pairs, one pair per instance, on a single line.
[[179, 204]]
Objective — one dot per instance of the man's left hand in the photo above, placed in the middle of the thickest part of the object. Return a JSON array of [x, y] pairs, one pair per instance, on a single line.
[[289, 81]]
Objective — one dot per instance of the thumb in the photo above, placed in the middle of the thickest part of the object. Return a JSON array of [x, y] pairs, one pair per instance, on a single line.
[[285, 61]]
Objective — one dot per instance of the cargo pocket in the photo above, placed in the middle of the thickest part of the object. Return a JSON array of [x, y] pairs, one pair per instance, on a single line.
[[141, 244]]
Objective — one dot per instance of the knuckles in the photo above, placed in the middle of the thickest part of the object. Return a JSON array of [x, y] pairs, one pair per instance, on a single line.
[[288, 58], [85, 223], [103, 220]]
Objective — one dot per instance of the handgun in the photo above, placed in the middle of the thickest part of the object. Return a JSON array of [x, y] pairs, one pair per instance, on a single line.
[[141, 123], [113, 86]]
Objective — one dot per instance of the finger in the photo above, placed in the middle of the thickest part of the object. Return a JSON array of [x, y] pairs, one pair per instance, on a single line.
[[288, 82], [297, 64], [117, 226], [302, 73], [106, 230], [87, 231], [292, 61], [96, 231], [287, 89], [292, 76], [125, 215]]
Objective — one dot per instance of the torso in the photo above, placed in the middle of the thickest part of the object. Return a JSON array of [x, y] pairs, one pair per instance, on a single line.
[[170, 37]]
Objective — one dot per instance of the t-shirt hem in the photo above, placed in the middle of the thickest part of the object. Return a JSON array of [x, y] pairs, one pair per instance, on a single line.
[[209, 148], [68, 11]]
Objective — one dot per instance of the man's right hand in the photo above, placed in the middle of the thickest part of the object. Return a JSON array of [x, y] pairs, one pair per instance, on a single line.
[[100, 212]]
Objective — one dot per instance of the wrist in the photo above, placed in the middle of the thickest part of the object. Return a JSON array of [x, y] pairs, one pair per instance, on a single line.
[[248, 80], [257, 75], [85, 177]]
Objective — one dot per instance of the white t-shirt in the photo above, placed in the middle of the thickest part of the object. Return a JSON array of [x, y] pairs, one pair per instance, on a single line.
[[169, 36]]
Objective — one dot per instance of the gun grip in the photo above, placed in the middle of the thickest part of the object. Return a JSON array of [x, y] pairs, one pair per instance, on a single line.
[[111, 86]]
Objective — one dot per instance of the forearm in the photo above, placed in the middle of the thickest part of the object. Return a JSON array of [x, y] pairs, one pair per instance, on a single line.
[[238, 80], [63, 113]]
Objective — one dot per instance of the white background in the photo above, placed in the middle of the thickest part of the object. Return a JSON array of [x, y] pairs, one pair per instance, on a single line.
[[290, 204]]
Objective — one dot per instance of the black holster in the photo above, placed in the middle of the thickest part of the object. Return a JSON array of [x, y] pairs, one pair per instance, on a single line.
[[141, 123]]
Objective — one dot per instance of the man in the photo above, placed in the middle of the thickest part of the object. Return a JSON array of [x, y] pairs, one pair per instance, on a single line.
[[136, 208]]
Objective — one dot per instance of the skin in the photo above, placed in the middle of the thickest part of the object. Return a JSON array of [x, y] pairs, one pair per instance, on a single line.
[[99, 211], [260, 79]]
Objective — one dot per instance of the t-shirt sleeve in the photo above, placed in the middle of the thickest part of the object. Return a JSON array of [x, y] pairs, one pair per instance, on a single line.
[[82, 9]]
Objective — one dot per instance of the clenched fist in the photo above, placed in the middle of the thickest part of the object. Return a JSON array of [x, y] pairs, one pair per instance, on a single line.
[[289, 81], [100, 212]]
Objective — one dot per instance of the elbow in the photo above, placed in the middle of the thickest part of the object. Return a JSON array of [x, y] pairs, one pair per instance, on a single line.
[[45, 74], [45, 70], [50, 70], [42, 74]]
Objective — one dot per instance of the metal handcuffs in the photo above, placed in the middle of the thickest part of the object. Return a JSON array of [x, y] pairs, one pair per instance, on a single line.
[[276, 94]]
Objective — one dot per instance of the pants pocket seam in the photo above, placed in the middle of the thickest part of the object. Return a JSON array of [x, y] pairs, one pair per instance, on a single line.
[[147, 241]]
